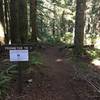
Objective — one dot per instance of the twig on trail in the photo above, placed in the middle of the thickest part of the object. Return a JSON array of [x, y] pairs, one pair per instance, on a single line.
[[94, 97], [22, 96], [16, 97], [98, 90]]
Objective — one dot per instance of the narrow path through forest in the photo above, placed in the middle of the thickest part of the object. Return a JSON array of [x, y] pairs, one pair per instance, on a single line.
[[61, 72], [57, 82]]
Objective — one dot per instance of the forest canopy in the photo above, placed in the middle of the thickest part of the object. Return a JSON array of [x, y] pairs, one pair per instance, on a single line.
[[50, 21]]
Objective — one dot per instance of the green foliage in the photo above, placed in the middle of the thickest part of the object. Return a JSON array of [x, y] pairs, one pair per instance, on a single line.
[[60, 16], [67, 38], [53, 40], [83, 66], [94, 53], [35, 58], [36, 66], [55, 19], [4, 80], [57, 15], [5, 77], [12, 70], [92, 20]]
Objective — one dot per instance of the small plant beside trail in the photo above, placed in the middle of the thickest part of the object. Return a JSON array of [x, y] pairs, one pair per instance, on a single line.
[[35, 63], [35, 58], [94, 53], [5, 78]]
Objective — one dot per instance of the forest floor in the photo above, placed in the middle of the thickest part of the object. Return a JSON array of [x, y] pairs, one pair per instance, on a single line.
[[58, 80]]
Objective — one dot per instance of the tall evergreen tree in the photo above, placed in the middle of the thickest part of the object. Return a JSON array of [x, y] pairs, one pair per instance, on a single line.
[[1, 13], [79, 27], [2, 26], [13, 21], [33, 15], [18, 21], [6, 7], [22, 21]]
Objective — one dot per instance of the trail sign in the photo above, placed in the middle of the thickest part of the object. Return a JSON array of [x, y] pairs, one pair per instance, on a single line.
[[18, 47], [19, 55]]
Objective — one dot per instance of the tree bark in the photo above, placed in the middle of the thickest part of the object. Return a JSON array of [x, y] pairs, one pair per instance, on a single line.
[[2, 26], [23, 21], [33, 15], [13, 21], [6, 7], [18, 22], [79, 27], [1, 13]]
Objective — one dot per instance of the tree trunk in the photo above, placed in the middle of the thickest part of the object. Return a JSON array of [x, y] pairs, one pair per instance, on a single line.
[[13, 21], [2, 26], [6, 6], [23, 21], [18, 22], [33, 15], [79, 27], [54, 18], [1, 13], [62, 25]]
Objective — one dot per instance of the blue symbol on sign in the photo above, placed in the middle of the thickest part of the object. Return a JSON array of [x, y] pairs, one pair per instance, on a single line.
[[18, 55]]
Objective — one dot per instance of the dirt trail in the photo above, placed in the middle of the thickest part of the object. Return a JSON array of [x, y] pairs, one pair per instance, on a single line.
[[58, 87], [57, 81]]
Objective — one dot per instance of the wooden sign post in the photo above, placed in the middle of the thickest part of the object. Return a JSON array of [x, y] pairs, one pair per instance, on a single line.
[[19, 56], [18, 53]]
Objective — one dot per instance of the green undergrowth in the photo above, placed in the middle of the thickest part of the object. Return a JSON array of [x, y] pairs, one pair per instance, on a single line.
[[34, 63], [83, 63], [35, 58], [94, 53], [82, 66], [5, 77]]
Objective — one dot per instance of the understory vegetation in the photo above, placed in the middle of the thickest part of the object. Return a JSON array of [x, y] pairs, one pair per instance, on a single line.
[[9, 74]]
